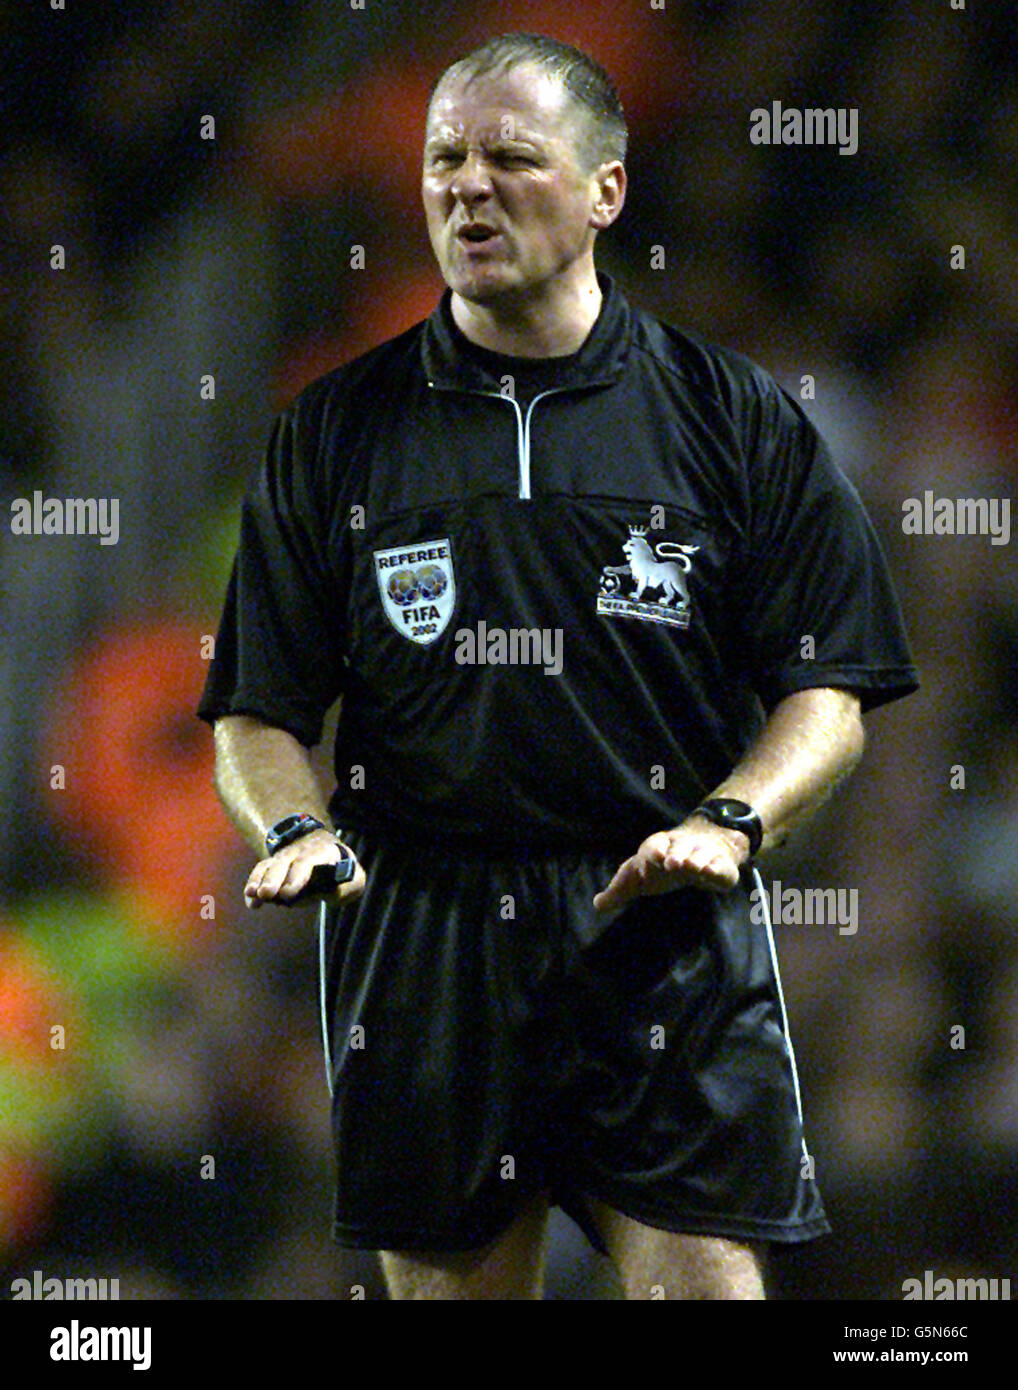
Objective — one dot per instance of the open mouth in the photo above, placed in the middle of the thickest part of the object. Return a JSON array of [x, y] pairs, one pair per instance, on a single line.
[[477, 233]]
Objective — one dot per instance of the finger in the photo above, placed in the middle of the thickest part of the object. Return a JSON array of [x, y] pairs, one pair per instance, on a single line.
[[259, 891], [275, 878], [623, 887], [255, 890]]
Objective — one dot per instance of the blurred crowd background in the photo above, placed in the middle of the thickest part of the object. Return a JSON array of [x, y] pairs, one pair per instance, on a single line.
[[190, 1028]]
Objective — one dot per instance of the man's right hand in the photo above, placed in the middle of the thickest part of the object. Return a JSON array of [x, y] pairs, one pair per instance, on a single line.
[[282, 877]]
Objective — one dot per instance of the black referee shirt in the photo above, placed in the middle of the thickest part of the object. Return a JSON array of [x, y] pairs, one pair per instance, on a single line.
[[556, 597]]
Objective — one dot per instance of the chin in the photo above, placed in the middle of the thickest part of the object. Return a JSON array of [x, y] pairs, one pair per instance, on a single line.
[[476, 289], [480, 283]]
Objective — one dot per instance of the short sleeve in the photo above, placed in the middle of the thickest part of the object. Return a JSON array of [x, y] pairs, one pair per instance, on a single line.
[[279, 651], [819, 605]]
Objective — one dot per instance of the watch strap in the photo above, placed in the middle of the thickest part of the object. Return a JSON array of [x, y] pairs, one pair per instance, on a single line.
[[731, 814], [290, 828]]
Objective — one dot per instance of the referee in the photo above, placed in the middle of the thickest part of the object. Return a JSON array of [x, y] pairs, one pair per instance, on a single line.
[[603, 617]]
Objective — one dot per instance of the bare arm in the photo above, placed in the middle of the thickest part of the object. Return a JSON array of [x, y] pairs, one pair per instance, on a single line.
[[263, 774], [811, 742]]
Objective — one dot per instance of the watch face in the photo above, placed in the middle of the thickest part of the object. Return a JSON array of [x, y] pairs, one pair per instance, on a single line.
[[290, 828], [282, 826], [735, 815]]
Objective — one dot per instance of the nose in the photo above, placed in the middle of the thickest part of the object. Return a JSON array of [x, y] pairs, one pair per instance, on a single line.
[[472, 181]]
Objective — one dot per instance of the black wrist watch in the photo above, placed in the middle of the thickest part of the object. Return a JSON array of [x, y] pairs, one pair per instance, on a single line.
[[734, 815], [290, 828]]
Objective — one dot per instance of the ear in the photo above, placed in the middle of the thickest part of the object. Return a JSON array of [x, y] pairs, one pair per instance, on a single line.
[[610, 193]]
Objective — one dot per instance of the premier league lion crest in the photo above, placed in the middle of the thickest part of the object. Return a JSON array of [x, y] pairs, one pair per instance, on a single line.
[[655, 570], [418, 588]]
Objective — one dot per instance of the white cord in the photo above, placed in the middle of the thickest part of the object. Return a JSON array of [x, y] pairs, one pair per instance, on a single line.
[[781, 999], [321, 992]]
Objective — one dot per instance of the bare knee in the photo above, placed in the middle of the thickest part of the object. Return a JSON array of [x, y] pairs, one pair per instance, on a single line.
[[655, 1264], [510, 1267]]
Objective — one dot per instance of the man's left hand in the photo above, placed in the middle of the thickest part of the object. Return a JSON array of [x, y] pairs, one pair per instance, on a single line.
[[700, 855]]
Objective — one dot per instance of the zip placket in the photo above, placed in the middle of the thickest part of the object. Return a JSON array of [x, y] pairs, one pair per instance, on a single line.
[[522, 426]]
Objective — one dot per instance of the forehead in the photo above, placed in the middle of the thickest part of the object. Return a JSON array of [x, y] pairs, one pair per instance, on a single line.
[[536, 102]]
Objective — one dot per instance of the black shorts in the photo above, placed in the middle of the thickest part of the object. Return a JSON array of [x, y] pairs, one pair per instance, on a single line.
[[490, 1038]]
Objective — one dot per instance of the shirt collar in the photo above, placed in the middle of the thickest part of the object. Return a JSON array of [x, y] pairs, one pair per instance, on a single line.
[[600, 361]]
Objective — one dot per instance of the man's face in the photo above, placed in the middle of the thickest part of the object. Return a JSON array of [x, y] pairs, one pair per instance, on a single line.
[[507, 201]]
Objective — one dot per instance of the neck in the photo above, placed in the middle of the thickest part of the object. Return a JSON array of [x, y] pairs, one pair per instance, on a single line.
[[549, 327]]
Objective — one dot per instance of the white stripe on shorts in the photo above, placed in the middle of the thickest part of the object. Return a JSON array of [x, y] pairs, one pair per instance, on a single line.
[[321, 992], [762, 892]]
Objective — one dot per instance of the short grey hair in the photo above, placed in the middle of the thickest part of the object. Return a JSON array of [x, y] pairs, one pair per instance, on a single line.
[[586, 82]]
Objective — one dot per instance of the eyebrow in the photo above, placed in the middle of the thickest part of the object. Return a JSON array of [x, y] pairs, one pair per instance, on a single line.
[[499, 143]]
